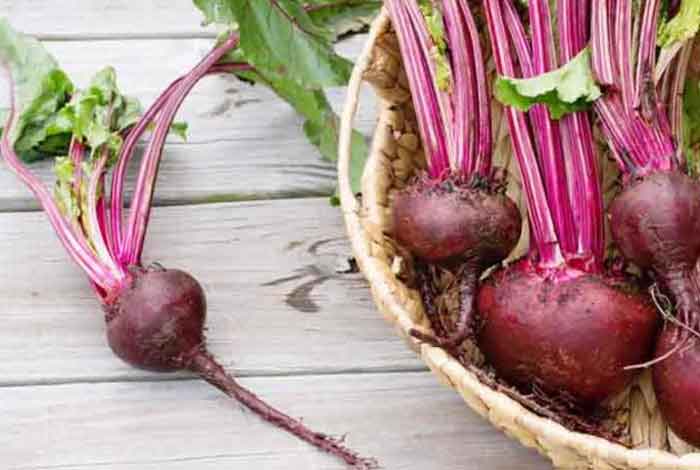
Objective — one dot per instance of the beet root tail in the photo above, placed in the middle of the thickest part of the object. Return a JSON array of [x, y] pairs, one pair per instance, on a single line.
[[210, 370], [468, 281], [684, 287]]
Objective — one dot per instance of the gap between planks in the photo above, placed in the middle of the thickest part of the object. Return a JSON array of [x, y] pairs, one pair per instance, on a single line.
[[408, 421], [186, 377]]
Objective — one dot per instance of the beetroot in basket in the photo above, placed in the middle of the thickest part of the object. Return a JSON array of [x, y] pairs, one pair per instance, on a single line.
[[635, 435], [655, 221], [456, 214], [555, 319]]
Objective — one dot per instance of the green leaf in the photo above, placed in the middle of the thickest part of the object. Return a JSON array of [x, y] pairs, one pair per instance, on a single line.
[[280, 39], [683, 26], [100, 112], [343, 17], [436, 28], [568, 89], [691, 125], [41, 89], [322, 123], [217, 11], [64, 193], [179, 129]]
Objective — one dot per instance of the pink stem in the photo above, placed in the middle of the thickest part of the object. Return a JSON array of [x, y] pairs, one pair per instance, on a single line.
[[676, 96], [466, 109], [603, 63], [577, 138], [145, 185], [95, 223], [548, 134], [545, 241], [623, 38], [645, 94], [127, 151], [420, 77], [484, 131]]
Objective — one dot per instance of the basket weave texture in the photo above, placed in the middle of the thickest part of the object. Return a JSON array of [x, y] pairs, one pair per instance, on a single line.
[[395, 156]]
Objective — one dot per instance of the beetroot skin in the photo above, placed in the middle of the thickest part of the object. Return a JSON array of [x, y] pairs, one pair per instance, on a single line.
[[465, 227], [438, 221], [157, 323], [571, 336], [677, 383], [655, 222]]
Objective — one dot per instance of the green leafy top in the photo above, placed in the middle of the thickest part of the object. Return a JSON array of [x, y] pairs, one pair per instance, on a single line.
[[568, 89], [289, 45], [41, 90], [279, 38], [343, 17], [681, 27], [100, 112], [436, 28]]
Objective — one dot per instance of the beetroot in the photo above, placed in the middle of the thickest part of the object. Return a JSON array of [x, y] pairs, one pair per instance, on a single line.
[[554, 320], [157, 320], [574, 336], [655, 220], [155, 317], [157, 323], [442, 221], [677, 383], [457, 215]]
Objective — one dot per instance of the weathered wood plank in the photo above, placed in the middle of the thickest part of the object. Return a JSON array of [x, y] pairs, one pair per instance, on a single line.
[[81, 19], [406, 420], [276, 303], [244, 142]]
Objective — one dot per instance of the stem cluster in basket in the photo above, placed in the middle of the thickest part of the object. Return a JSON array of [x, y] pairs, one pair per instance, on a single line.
[[555, 319]]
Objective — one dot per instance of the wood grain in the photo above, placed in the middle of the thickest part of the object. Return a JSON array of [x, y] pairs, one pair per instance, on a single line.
[[277, 304], [244, 143], [99, 19], [406, 420]]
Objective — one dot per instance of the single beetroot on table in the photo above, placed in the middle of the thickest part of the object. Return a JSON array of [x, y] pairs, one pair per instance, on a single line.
[[155, 317]]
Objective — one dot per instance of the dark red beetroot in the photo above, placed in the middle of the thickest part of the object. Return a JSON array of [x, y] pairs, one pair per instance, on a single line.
[[462, 227], [456, 215], [677, 382], [155, 317], [157, 323], [570, 337], [444, 221], [553, 320], [656, 223]]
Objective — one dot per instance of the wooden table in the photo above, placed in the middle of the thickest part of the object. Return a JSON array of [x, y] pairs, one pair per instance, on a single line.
[[243, 206]]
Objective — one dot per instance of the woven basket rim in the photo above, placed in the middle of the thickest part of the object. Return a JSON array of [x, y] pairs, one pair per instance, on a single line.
[[547, 432]]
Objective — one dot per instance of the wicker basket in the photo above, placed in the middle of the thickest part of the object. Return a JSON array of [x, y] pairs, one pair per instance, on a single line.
[[395, 155]]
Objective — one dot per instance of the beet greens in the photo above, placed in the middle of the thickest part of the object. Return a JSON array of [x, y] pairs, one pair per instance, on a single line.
[[154, 316], [554, 320]]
